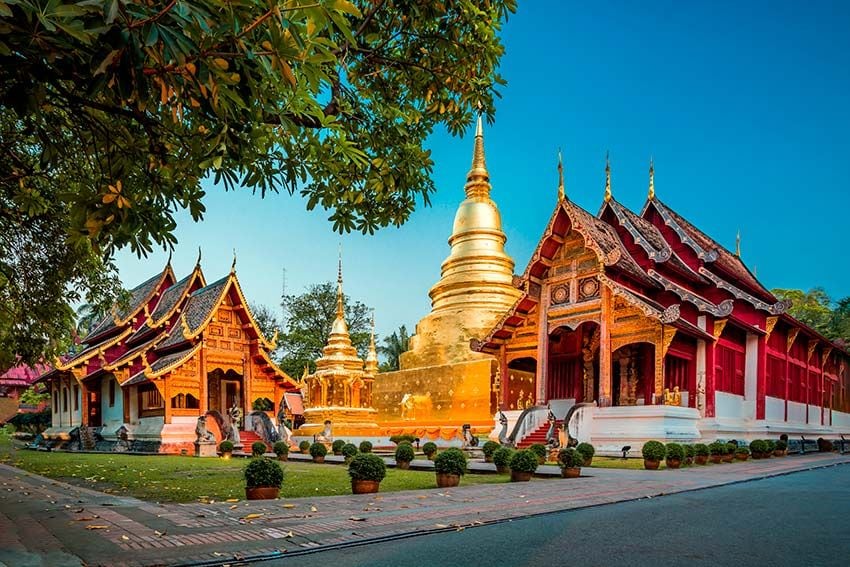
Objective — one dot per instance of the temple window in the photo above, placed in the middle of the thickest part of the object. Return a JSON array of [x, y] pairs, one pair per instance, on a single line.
[[112, 393], [64, 399], [676, 373], [55, 400], [178, 401], [192, 402], [76, 398], [262, 404], [150, 400]]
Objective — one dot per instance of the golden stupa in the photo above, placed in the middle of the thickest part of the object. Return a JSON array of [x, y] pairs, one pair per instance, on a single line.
[[340, 390], [442, 383]]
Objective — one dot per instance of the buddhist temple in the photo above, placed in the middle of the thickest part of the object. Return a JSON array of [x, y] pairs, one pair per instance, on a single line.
[[340, 390], [175, 351]]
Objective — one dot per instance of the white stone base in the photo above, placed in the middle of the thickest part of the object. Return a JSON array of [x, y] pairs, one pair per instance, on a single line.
[[612, 428], [205, 449]]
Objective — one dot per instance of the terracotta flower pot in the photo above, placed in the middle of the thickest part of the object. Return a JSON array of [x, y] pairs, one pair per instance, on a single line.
[[262, 493], [717, 459], [757, 455], [503, 469], [318, 459], [674, 463], [728, 457], [445, 480], [741, 456], [651, 465], [778, 453], [689, 460], [701, 459], [572, 472], [403, 465], [517, 476], [364, 486], [284, 457]]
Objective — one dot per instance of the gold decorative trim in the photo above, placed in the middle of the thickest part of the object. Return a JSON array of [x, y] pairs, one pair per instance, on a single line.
[[769, 325], [792, 336], [719, 325]]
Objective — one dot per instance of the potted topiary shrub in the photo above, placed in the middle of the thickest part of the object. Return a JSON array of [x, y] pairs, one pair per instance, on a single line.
[[540, 450], [570, 460], [365, 447], [304, 447], [717, 450], [399, 439], [366, 471], [258, 449], [758, 448], [675, 453], [502, 459], [523, 464], [488, 449], [742, 453], [729, 456], [450, 465], [403, 455], [770, 446], [281, 449], [587, 451], [701, 453], [318, 451], [226, 449], [337, 446], [430, 450], [348, 451], [653, 452], [781, 448], [689, 454], [263, 478]]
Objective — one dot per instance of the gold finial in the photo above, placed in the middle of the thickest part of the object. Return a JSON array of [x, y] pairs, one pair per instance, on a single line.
[[738, 244], [562, 193], [477, 180], [339, 299], [607, 178], [273, 342], [651, 179], [233, 265]]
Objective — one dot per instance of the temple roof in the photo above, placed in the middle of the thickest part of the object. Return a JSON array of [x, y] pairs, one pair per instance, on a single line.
[[708, 250], [169, 302], [199, 309], [23, 375]]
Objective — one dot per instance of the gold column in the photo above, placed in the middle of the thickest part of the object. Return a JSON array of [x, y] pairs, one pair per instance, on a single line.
[[543, 345], [605, 349]]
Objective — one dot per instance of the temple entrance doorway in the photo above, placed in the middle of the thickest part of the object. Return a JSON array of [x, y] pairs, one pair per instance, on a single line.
[[573, 365], [633, 374], [95, 412], [224, 390]]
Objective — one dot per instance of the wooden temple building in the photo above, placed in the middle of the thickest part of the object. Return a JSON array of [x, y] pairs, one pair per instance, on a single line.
[[176, 350]]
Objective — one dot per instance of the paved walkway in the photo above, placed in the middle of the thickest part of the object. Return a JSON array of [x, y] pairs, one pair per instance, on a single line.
[[45, 522]]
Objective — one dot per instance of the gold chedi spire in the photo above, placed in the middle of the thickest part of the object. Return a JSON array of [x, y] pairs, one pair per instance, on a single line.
[[651, 179], [562, 192], [607, 178], [339, 324], [476, 279]]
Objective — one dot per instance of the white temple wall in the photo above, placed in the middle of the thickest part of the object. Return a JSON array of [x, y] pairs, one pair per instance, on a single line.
[[728, 405], [774, 409]]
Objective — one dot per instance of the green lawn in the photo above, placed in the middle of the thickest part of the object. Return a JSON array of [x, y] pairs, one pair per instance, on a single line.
[[618, 463], [186, 479]]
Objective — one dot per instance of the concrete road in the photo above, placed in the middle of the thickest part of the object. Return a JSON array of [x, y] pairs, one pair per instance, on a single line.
[[800, 519]]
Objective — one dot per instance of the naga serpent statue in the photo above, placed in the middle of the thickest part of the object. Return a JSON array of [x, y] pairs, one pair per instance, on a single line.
[[552, 440], [503, 434], [469, 440]]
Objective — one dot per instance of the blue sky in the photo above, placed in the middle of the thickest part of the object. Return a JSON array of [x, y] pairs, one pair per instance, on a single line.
[[744, 106]]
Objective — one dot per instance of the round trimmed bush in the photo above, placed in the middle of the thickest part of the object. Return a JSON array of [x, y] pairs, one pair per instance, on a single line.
[[429, 448], [781, 445], [318, 450], [337, 446], [502, 457], [690, 452], [366, 466], [404, 452], [365, 447], [742, 451], [653, 451], [731, 447], [771, 445], [489, 448], [717, 448], [701, 450], [539, 450], [349, 450], [225, 446], [451, 461], [399, 439], [570, 458], [263, 473], [258, 449], [280, 448], [586, 449], [675, 452], [304, 447], [524, 461], [758, 446]]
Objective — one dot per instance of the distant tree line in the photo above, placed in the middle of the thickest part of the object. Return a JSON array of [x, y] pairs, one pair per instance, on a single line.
[[819, 311]]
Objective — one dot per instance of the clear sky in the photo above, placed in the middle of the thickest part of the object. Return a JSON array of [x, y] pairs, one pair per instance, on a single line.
[[744, 106]]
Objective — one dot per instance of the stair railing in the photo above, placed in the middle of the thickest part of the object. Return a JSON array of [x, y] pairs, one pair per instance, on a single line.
[[566, 423], [529, 420]]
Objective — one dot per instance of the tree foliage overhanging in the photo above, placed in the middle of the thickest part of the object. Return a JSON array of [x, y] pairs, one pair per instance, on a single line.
[[816, 309], [112, 112]]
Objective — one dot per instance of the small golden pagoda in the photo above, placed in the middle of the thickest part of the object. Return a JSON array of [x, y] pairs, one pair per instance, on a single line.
[[340, 391], [442, 383]]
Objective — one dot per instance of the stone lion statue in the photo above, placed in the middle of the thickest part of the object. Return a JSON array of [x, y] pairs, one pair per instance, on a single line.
[[201, 433]]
